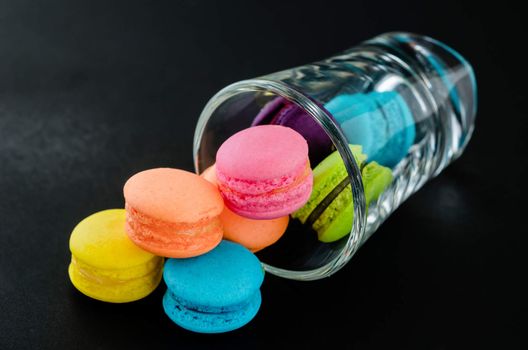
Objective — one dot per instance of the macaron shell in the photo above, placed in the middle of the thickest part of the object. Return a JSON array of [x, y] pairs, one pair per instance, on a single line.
[[402, 131], [376, 178], [210, 175], [228, 275], [269, 111], [206, 322], [337, 219], [253, 234], [100, 240], [266, 152], [173, 195]]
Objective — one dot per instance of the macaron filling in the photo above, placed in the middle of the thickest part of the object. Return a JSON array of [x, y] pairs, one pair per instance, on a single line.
[[268, 196], [211, 309], [117, 286], [263, 186], [163, 234], [327, 201], [117, 276], [204, 321]]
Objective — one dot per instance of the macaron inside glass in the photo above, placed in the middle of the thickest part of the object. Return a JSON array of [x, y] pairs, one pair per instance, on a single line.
[[264, 172], [381, 122], [173, 213], [252, 234], [215, 292], [330, 209], [280, 111], [106, 265]]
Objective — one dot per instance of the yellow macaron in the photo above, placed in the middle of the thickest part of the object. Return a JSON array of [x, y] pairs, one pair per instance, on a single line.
[[106, 265]]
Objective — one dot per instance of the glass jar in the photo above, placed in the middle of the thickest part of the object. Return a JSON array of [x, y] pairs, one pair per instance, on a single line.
[[408, 100]]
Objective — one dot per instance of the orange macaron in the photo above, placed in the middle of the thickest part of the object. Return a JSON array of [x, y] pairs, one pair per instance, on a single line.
[[253, 234], [173, 213]]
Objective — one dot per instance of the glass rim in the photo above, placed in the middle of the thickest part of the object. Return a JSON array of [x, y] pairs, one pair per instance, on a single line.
[[323, 119]]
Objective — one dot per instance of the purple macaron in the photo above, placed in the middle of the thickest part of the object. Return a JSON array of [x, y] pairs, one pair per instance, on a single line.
[[280, 111]]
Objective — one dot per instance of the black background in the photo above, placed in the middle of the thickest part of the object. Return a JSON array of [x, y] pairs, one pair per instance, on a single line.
[[92, 92]]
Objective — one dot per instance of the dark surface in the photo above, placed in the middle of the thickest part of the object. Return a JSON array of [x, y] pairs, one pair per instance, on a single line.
[[91, 92]]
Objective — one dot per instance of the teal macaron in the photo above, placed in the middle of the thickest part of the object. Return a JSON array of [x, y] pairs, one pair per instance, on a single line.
[[215, 292], [330, 209], [381, 122]]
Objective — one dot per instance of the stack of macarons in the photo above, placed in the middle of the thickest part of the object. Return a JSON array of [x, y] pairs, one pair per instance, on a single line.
[[380, 129], [206, 226], [200, 232]]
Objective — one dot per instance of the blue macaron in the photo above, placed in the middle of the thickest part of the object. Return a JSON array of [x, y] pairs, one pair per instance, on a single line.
[[215, 292], [381, 122]]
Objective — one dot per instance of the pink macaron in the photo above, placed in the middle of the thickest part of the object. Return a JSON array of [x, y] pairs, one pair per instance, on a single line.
[[264, 172]]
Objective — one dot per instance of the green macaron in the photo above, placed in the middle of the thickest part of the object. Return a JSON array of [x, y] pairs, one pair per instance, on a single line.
[[330, 209]]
